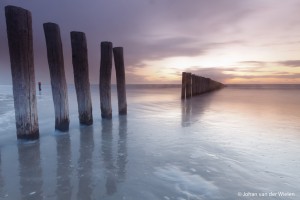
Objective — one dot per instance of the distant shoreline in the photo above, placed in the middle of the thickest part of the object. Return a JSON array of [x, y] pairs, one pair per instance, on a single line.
[[237, 86]]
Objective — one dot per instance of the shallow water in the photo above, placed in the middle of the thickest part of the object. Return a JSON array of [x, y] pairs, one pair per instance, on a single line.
[[215, 146]]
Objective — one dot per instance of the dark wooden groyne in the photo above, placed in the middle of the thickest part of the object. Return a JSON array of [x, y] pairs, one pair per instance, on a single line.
[[20, 41], [57, 75], [193, 85], [120, 76], [81, 77], [19, 34], [105, 80]]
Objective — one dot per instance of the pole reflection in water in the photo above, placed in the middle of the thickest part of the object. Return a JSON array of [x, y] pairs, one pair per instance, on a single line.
[[122, 148], [30, 170], [85, 162], [64, 170], [192, 109], [107, 137], [1, 179], [186, 109]]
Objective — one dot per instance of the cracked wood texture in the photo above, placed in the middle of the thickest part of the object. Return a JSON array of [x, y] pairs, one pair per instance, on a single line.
[[120, 76], [105, 80], [57, 75], [81, 77], [19, 33]]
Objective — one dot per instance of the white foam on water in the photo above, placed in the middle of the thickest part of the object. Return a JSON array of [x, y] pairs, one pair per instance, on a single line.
[[192, 186]]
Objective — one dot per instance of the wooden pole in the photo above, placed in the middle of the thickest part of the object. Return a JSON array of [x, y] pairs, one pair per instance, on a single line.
[[204, 89], [183, 85], [198, 85], [57, 74], [209, 84], [81, 77], [105, 79], [188, 85], [194, 84], [120, 76], [203, 85], [19, 34]]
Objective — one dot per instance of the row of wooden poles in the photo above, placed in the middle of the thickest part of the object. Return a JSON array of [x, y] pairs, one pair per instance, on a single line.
[[20, 41], [193, 85]]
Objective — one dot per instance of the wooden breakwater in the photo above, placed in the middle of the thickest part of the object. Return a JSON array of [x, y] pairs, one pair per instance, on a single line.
[[193, 85], [20, 42], [81, 77], [57, 76]]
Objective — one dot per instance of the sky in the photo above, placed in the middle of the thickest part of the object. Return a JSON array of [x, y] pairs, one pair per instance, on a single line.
[[231, 41]]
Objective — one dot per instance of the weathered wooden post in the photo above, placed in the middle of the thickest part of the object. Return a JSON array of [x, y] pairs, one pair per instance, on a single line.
[[203, 85], [188, 85], [183, 85], [81, 77], [120, 76], [57, 74], [198, 85], [212, 84], [215, 85], [105, 79], [19, 34], [207, 84], [193, 84]]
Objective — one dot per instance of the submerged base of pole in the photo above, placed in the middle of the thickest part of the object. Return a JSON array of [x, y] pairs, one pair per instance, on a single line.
[[32, 136], [62, 125], [123, 112], [85, 119], [106, 115]]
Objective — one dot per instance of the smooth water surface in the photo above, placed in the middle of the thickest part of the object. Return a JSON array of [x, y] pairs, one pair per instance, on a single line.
[[234, 143]]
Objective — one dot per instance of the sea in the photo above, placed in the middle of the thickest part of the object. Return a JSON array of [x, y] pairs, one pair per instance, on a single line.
[[239, 142]]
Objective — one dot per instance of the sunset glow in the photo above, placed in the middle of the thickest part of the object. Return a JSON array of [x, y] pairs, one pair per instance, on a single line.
[[230, 41]]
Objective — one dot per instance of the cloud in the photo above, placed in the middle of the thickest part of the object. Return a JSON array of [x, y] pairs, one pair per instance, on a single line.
[[226, 74], [290, 63], [154, 30], [287, 63], [253, 62], [211, 72], [148, 30]]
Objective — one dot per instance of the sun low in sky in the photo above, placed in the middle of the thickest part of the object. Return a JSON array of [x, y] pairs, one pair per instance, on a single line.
[[231, 41]]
